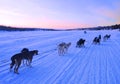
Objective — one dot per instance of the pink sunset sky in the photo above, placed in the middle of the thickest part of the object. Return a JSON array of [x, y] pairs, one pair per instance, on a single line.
[[59, 14]]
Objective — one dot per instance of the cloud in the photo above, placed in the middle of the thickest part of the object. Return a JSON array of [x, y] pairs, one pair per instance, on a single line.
[[11, 13]]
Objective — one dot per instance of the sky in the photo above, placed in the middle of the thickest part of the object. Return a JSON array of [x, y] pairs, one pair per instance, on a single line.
[[59, 14]]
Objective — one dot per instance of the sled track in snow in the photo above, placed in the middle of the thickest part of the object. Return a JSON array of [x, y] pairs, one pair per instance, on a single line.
[[69, 65]]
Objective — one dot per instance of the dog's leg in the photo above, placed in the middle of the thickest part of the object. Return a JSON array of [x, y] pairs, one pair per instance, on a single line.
[[63, 51], [30, 63], [23, 61], [11, 65], [16, 64], [59, 50], [27, 62]]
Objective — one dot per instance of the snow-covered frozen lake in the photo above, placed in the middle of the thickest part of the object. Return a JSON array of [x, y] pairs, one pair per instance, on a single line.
[[92, 64]]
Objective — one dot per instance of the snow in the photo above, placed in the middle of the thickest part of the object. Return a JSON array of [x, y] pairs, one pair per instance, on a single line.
[[92, 64]]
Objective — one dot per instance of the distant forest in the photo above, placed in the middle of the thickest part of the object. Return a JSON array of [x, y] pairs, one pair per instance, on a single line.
[[116, 26], [8, 28]]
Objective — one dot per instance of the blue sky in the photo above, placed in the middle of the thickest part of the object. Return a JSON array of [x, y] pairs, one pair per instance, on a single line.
[[59, 13]]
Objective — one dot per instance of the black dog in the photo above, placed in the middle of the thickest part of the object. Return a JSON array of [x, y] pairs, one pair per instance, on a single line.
[[96, 40], [17, 58], [106, 37], [30, 56], [99, 37], [25, 51], [80, 43]]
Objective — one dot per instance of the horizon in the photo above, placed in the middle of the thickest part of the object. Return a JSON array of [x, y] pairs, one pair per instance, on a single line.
[[60, 28], [59, 14]]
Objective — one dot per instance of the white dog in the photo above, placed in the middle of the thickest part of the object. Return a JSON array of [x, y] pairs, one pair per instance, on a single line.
[[63, 48]]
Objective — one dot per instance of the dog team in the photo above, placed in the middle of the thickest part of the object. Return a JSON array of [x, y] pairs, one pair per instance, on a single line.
[[62, 48]]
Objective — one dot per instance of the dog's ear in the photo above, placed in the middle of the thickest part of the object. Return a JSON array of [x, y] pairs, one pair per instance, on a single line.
[[25, 50]]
